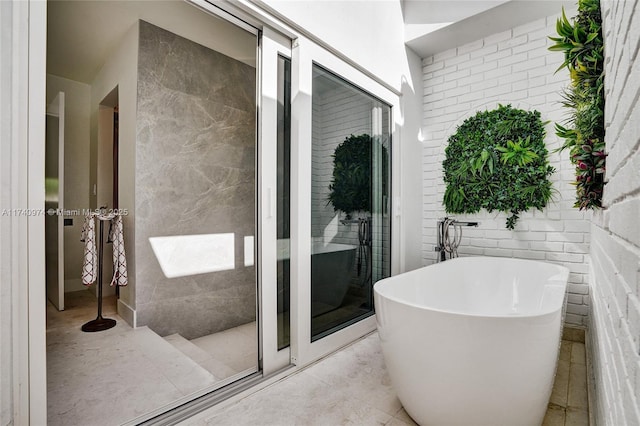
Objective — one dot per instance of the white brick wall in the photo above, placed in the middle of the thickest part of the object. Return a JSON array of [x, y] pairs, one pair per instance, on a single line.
[[615, 241], [512, 67]]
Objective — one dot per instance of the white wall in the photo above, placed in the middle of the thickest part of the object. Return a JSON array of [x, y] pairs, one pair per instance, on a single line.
[[120, 70], [379, 48], [6, 243], [411, 163], [76, 171], [615, 243], [511, 67], [22, 254]]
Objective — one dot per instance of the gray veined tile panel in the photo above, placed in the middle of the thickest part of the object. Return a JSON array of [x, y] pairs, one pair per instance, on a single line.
[[168, 58], [195, 174]]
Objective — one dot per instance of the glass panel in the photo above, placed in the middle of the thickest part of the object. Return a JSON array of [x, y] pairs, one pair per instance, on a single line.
[[196, 166], [350, 223], [185, 324], [283, 197]]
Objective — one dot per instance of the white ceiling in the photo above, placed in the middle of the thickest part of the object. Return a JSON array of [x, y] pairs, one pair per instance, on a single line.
[[82, 34], [432, 26]]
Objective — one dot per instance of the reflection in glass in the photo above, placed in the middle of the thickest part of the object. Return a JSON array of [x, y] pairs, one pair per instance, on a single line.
[[350, 223], [283, 197]]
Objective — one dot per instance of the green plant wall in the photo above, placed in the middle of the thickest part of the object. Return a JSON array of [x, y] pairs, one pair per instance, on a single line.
[[350, 188], [582, 44], [497, 160]]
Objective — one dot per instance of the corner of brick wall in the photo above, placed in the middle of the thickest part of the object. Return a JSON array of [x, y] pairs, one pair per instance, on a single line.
[[615, 231]]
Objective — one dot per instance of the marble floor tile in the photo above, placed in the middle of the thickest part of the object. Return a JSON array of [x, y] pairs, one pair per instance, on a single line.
[[576, 417], [555, 416], [201, 357], [185, 346], [237, 347], [250, 329], [113, 376], [578, 354], [560, 391], [360, 370], [573, 334], [395, 421], [91, 373], [565, 351], [181, 370], [351, 386], [300, 399], [577, 397], [569, 405], [403, 418], [105, 383], [80, 307]]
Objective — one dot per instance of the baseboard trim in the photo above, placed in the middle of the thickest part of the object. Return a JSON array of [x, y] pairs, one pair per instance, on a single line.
[[127, 313]]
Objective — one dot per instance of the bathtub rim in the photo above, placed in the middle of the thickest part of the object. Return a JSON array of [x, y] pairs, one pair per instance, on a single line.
[[562, 283]]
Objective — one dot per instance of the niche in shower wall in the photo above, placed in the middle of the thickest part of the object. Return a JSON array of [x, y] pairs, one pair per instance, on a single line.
[[350, 250], [195, 187]]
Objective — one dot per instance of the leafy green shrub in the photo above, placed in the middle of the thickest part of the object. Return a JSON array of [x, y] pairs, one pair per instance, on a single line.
[[583, 48], [350, 188], [497, 160]]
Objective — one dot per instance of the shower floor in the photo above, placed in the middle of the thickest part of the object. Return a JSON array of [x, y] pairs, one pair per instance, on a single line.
[[106, 378]]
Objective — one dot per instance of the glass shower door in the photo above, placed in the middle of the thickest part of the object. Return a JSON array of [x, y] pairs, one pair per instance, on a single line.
[[350, 227]]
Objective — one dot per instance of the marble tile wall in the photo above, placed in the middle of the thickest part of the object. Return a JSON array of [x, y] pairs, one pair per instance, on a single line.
[[195, 174]]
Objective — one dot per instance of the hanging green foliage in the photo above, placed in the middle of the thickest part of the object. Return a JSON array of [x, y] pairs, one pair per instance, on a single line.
[[583, 133], [350, 188], [497, 160]]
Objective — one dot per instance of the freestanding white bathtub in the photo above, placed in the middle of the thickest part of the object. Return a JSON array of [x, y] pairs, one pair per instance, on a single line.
[[473, 341], [331, 266]]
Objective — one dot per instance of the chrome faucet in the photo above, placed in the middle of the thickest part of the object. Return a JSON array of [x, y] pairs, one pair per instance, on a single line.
[[445, 243]]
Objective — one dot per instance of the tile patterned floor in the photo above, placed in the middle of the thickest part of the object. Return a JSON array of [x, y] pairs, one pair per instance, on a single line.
[[243, 339], [569, 404], [352, 387], [90, 374], [349, 387]]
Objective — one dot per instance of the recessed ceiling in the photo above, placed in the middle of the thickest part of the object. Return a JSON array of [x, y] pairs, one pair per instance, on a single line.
[[434, 26], [82, 34]]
